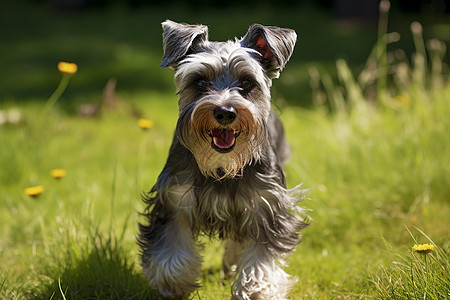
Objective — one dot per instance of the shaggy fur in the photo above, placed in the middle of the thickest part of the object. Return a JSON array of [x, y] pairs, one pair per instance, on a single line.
[[223, 176]]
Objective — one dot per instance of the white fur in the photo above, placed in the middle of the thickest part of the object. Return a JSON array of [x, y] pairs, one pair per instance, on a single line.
[[261, 276], [166, 271]]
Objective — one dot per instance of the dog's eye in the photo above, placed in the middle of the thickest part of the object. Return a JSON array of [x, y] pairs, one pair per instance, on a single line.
[[202, 84], [246, 85]]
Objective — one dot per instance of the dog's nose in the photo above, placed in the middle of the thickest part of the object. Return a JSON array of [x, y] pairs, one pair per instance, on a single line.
[[225, 115]]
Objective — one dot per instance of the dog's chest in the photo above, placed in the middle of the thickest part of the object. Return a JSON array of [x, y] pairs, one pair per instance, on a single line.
[[220, 207]]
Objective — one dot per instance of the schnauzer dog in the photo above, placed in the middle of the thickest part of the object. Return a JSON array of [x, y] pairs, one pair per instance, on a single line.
[[223, 176]]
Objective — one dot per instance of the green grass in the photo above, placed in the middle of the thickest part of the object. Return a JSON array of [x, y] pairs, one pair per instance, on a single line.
[[375, 165], [125, 44], [418, 275]]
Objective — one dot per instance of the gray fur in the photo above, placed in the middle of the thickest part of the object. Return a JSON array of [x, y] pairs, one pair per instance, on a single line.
[[281, 42], [178, 38], [239, 194]]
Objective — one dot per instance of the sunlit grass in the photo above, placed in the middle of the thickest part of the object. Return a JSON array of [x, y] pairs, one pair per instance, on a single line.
[[378, 162], [371, 163], [419, 273]]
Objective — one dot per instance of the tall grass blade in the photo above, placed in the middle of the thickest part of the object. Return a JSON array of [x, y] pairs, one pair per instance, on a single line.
[[382, 50]]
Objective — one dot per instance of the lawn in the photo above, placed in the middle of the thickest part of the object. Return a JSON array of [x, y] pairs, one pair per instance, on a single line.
[[373, 155]]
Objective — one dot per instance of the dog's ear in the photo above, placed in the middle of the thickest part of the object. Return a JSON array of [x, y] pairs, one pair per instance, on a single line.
[[178, 39], [273, 44]]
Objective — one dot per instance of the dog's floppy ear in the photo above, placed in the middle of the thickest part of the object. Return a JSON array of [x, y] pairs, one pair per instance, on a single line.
[[178, 39], [274, 45]]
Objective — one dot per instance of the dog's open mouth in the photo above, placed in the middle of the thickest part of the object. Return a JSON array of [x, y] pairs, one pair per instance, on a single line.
[[223, 140]]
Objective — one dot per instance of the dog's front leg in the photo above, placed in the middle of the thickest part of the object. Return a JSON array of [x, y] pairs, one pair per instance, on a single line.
[[261, 277], [169, 249]]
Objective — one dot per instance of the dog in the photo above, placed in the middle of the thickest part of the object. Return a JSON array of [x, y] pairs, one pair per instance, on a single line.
[[223, 176]]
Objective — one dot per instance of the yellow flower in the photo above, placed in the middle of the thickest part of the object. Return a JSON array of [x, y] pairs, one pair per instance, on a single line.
[[58, 173], [145, 124], [67, 68], [403, 100], [34, 191], [423, 248]]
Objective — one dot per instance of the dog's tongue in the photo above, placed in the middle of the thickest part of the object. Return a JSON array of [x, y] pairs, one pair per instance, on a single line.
[[223, 138]]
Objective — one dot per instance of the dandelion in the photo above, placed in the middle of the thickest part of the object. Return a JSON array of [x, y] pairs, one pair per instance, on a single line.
[[67, 68], [58, 173], [34, 191], [403, 100], [423, 248], [145, 124]]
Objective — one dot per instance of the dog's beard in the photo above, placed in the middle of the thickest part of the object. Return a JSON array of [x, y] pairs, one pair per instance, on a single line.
[[222, 151]]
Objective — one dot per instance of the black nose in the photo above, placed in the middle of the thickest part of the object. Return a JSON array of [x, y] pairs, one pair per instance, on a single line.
[[225, 115]]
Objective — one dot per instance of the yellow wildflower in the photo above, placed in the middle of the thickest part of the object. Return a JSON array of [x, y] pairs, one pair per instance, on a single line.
[[67, 68], [403, 100], [423, 248], [145, 124], [34, 191], [58, 173]]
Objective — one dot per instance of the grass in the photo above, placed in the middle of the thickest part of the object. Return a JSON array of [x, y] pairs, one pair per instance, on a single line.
[[375, 164], [118, 42], [421, 274]]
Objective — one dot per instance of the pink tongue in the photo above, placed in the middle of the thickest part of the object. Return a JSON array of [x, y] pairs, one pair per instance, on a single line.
[[223, 138]]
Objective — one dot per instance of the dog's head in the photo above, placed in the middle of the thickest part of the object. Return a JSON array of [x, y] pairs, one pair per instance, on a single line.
[[224, 90]]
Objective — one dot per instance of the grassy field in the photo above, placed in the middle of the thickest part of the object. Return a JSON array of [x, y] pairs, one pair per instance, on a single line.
[[376, 166]]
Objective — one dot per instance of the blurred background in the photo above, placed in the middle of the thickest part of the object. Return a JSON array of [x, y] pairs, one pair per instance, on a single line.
[[368, 129], [121, 39]]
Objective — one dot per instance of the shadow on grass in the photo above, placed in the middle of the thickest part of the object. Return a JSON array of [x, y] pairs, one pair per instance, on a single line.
[[97, 269]]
